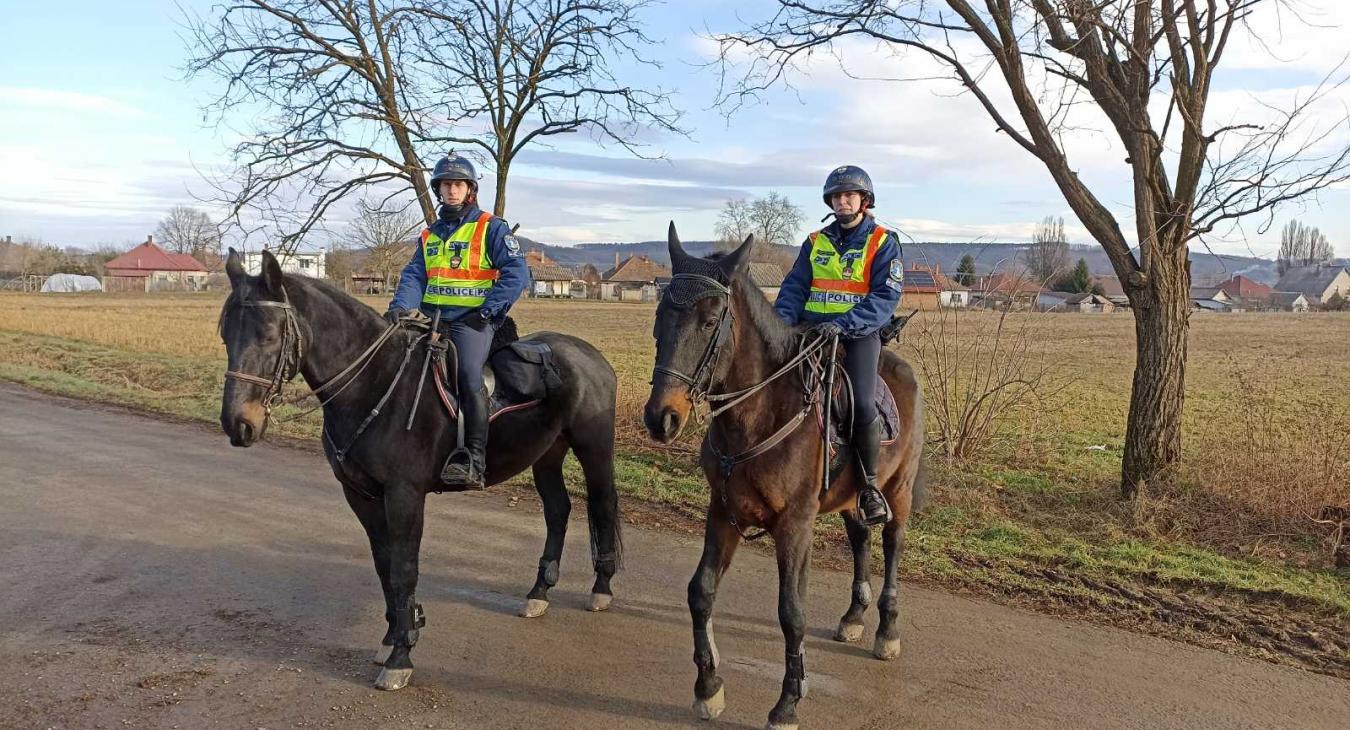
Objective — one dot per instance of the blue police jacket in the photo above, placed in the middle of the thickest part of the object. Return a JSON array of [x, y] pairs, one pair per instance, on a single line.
[[506, 258], [869, 315]]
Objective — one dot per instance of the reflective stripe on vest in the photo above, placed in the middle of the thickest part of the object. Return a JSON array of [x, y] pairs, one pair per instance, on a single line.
[[459, 271], [838, 282]]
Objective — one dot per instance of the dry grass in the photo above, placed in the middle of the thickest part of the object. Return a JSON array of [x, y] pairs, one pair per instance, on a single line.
[[1266, 421]]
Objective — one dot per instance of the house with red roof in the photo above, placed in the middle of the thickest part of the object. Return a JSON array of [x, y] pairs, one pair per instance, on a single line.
[[148, 268]]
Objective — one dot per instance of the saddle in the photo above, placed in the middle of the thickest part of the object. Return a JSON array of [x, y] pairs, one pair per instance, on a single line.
[[841, 407], [519, 374]]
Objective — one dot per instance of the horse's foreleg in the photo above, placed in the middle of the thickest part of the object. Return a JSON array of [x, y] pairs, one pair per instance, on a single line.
[[404, 508], [548, 481], [792, 544], [859, 537], [720, 540], [371, 514], [595, 452], [887, 644]]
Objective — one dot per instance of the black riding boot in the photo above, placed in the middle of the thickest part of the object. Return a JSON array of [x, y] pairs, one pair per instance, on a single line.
[[467, 469], [867, 444]]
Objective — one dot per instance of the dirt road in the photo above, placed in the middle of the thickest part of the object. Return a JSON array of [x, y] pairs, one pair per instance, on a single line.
[[151, 576]]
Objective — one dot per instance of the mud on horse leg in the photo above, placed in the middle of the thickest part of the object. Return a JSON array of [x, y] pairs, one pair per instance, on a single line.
[[720, 541], [792, 544], [887, 644], [548, 481], [404, 508], [859, 536], [594, 449]]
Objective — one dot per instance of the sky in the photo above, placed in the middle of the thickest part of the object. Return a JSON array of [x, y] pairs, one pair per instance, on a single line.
[[100, 134]]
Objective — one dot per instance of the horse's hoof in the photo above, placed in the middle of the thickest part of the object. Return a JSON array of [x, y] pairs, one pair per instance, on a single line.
[[710, 708], [534, 608], [886, 649], [781, 726], [382, 655], [391, 680], [848, 633], [601, 601]]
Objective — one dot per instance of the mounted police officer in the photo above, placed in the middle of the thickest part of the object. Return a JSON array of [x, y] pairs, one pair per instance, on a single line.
[[847, 282], [468, 267]]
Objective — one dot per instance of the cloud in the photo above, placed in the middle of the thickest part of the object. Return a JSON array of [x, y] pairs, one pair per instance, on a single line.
[[66, 101]]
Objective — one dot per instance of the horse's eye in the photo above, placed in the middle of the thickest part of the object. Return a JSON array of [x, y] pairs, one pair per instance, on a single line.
[[710, 323]]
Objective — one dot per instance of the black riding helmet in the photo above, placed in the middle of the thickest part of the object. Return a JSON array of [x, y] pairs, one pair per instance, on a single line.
[[453, 167], [848, 178]]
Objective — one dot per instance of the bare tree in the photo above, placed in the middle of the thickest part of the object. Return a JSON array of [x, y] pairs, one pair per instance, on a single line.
[[734, 224], [342, 97], [190, 231], [526, 70], [384, 236], [775, 220], [1048, 257], [1049, 57], [1302, 245]]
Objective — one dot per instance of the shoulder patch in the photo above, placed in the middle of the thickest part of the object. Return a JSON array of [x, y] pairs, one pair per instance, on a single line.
[[512, 245], [895, 278]]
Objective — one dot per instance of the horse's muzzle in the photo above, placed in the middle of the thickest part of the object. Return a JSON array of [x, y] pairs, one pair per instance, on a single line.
[[244, 426], [665, 415]]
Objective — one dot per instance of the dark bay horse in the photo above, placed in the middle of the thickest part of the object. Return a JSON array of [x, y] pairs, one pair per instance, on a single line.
[[275, 326], [716, 335]]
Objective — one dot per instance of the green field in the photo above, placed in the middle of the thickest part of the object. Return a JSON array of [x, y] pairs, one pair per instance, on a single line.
[[1230, 557]]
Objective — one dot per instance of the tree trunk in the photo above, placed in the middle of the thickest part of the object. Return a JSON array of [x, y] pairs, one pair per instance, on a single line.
[[499, 196], [1161, 321]]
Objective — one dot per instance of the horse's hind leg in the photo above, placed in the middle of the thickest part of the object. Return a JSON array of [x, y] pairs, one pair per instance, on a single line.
[[371, 514], [792, 544], [720, 540], [887, 644], [404, 507], [548, 482], [595, 452], [859, 537]]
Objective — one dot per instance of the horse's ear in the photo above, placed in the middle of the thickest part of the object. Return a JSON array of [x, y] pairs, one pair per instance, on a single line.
[[234, 268], [271, 273], [736, 261], [677, 254]]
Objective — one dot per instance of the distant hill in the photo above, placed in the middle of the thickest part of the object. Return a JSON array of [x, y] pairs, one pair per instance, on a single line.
[[1206, 268]]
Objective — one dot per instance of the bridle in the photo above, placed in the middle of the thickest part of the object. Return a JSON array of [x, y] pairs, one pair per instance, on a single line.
[[288, 365], [807, 360], [288, 358], [700, 383]]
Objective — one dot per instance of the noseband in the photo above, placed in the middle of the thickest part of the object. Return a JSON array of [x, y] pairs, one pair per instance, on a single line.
[[700, 383], [288, 359]]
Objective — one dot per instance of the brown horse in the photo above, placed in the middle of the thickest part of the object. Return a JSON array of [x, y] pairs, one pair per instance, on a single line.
[[718, 338]]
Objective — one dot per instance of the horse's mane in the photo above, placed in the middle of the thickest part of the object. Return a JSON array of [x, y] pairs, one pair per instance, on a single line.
[[303, 287]]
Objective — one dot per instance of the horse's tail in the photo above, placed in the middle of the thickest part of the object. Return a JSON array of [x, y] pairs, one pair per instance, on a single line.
[[919, 492]]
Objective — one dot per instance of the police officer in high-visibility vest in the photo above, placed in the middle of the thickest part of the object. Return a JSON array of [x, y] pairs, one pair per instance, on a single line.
[[847, 282], [468, 267]]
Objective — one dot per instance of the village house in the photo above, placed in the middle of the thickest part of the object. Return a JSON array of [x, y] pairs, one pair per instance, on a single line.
[[1290, 301], [1086, 302], [952, 294], [149, 268], [999, 291], [632, 280], [1316, 283], [921, 290], [304, 263], [551, 279]]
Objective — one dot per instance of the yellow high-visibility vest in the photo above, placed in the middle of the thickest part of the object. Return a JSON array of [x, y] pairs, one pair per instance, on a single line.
[[459, 270], [838, 283]]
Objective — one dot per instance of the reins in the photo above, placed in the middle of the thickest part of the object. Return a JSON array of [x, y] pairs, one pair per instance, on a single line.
[[807, 360]]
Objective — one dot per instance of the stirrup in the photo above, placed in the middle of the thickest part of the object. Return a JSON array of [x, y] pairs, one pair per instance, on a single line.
[[876, 517], [460, 470]]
